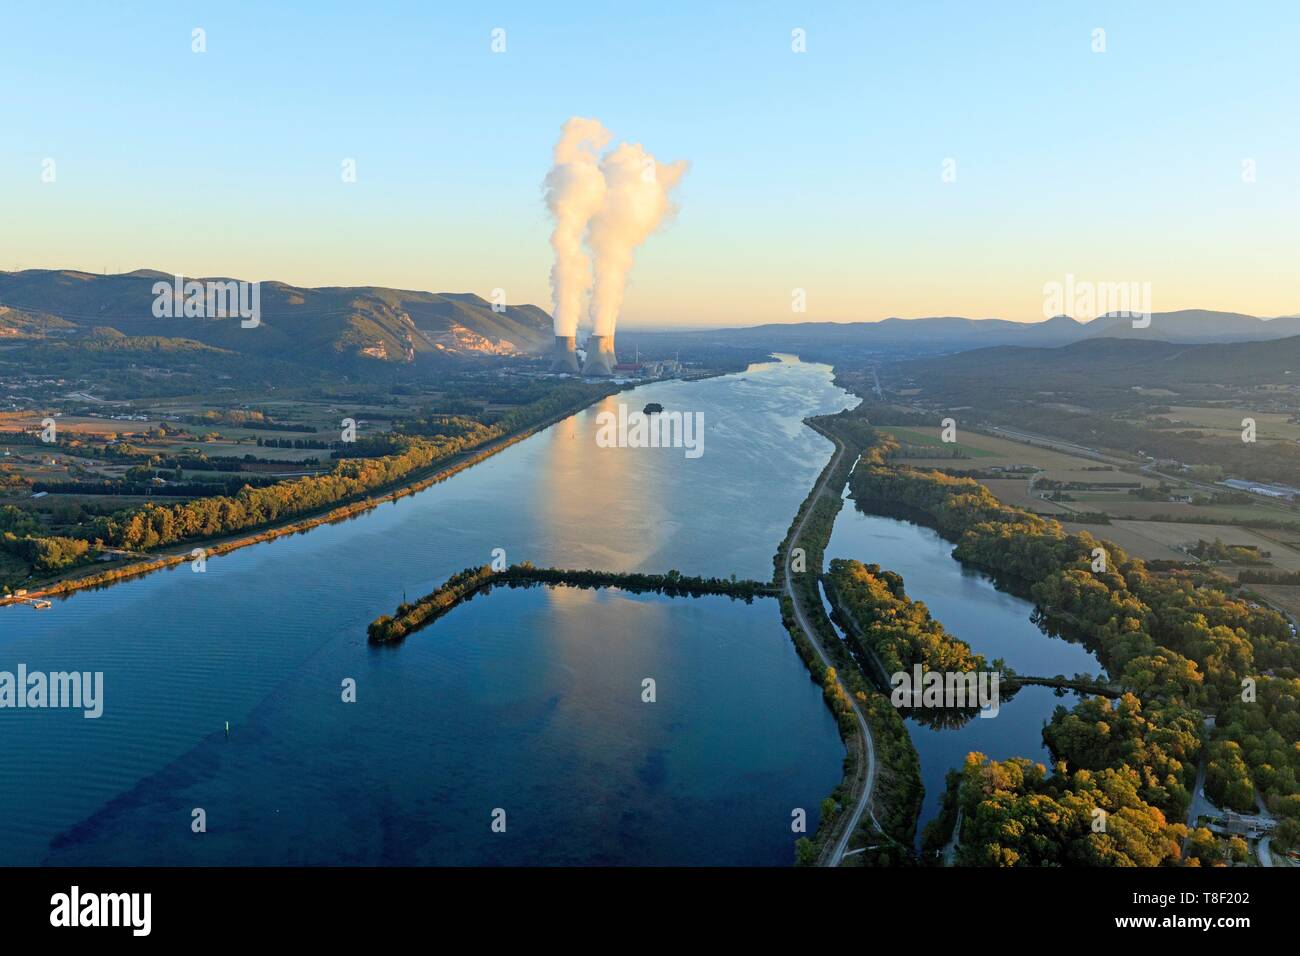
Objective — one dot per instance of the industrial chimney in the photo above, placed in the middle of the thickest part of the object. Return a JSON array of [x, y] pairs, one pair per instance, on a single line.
[[565, 356], [600, 356]]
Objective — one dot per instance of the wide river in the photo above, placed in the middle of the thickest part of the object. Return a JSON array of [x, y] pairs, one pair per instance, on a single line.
[[527, 702]]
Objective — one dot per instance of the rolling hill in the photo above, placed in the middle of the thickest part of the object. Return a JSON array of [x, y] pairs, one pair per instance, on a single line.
[[326, 327], [827, 340], [1121, 362]]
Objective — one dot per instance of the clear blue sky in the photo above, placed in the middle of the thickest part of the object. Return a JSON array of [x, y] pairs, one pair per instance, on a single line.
[[818, 170]]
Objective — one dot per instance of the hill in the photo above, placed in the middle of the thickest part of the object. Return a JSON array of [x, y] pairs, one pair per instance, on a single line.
[[325, 327], [827, 341], [1121, 363]]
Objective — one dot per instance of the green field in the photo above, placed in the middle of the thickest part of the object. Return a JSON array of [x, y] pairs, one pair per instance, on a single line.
[[1121, 504], [910, 436], [1223, 420]]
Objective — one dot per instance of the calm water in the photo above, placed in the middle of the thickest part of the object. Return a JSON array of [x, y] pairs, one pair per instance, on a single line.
[[994, 623], [525, 700]]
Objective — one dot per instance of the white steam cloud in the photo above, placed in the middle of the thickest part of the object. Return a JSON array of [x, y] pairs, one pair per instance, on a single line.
[[575, 188], [613, 203]]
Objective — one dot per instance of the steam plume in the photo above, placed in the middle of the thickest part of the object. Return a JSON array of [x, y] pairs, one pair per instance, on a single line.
[[575, 189], [636, 201]]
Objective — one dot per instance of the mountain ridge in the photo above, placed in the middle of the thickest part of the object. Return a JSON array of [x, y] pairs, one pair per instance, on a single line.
[[958, 333], [1276, 361], [331, 325]]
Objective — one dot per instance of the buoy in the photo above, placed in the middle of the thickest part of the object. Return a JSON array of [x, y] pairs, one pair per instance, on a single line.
[[227, 728]]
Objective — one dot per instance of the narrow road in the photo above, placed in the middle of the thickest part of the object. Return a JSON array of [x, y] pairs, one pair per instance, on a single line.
[[848, 823], [950, 848], [1264, 853]]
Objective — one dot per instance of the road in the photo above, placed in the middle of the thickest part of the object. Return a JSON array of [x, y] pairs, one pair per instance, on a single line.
[[1056, 444], [848, 823], [950, 848], [1264, 853]]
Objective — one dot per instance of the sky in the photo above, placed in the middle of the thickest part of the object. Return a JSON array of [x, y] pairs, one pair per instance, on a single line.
[[916, 159]]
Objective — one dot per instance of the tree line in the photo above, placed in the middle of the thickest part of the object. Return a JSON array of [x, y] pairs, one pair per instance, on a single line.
[[463, 585], [153, 525], [1177, 641]]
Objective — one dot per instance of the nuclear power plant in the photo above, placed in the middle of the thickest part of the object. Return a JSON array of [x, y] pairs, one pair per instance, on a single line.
[[565, 356], [600, 356]]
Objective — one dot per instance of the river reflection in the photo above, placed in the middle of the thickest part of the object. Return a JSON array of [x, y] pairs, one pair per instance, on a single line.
[[441, 728]]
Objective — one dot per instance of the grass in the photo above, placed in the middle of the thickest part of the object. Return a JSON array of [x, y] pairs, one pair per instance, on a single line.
[[1284, 596], [1228, 420], [909, 436]]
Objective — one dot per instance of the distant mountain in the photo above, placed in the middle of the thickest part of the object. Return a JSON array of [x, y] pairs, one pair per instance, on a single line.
[[1117, 361], [955, 334], [368, 325], [326, 327], [1195, 325]]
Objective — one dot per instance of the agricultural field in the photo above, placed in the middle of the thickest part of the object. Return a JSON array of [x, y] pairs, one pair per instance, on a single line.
[[12, 422], [1222, 421], [994, 452], [988, 452], [927, 437], [1152, 540], [176, 428], [1283, 596], [1119, 504], [1015, 492]]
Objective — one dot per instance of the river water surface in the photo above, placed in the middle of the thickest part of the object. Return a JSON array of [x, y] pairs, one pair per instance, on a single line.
[[993, 622], [524, 701]]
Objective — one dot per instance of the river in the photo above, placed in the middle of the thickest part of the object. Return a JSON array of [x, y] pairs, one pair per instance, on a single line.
[[993, 622], [528, 702]]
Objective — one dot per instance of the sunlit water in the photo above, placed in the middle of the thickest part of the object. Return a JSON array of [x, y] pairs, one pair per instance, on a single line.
[[528, 701]]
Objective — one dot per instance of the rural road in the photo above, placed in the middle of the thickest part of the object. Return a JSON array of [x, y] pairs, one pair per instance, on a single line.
[[847, 825], [950, 848]]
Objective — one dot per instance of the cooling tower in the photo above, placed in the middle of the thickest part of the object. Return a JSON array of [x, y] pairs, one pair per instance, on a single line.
[[600, 356], [565, 356]]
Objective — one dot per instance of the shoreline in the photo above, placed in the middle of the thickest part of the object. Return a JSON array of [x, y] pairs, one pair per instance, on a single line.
[[85, 578], [216, 547]]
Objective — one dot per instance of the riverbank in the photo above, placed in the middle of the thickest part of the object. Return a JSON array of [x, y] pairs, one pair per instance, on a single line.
[[1177, 646], [878, 748], [529, 699], [80, 579]]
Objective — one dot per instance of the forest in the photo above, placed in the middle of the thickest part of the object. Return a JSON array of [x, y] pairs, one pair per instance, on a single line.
[[1180, 644]]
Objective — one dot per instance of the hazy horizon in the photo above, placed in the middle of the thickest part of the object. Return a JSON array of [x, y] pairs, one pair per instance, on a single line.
[[821, 170]]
